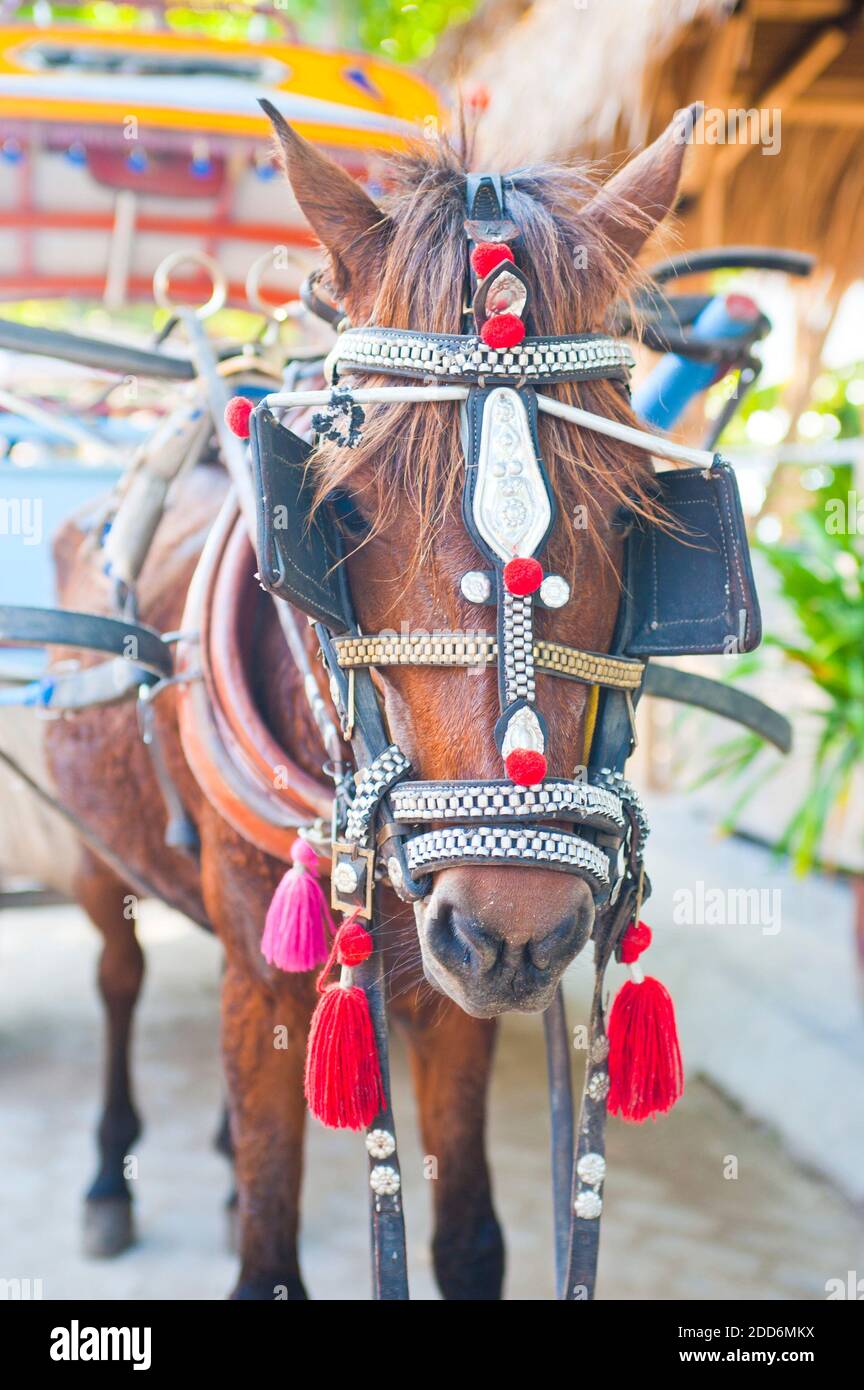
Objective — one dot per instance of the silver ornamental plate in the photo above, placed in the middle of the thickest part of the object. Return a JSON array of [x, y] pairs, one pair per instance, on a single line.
[[511, 507], [506, 294], [523, 731]]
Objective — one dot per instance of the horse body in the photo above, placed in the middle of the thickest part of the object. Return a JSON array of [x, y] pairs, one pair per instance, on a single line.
[[103, 773], [487, 939]]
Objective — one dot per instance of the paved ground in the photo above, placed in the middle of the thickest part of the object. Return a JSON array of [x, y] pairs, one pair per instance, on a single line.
[[675, 1227]]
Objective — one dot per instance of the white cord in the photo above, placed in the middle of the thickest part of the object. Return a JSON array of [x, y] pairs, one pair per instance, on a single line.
[[380, 395]]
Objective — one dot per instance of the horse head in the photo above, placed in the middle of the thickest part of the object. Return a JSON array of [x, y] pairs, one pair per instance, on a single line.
[[494, 937]]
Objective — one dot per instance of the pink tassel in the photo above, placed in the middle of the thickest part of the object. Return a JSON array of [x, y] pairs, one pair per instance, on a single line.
[[295, 932]]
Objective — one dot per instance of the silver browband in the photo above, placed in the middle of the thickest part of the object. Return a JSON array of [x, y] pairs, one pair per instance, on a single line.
[[403, 352]]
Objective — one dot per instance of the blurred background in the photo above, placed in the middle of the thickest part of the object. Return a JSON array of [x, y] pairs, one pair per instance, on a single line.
[[136, 174]]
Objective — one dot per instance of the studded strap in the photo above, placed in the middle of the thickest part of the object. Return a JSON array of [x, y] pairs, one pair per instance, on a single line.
[[554, 799], [372, 783], [481, 649], [483, 844], [467, 358]]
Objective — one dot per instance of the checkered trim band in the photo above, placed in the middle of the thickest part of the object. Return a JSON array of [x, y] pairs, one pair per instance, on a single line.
[[483, 844], [555, 798], [518, 642], [372, 783], [455, 649], [467, 358]]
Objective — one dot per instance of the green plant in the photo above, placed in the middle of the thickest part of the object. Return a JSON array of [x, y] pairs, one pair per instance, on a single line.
[[821, 578]]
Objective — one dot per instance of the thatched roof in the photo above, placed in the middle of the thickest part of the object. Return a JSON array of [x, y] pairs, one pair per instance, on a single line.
[[602, 79]]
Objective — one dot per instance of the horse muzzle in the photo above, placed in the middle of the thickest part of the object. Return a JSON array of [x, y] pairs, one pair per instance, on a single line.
[[498, 940]]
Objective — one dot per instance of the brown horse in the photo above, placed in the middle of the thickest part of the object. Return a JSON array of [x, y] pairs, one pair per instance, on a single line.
[[487, 939]]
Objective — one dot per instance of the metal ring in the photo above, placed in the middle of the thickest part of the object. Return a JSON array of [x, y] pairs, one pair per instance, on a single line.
[[291, 308], [161, 281]]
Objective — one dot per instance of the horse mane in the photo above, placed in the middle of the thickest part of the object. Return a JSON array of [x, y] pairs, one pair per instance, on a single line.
[[412, 454]]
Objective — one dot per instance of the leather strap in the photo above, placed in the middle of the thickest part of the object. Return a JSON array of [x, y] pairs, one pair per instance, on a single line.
[[687, 688], [56, 627], [389, 1260], [561, 1121]]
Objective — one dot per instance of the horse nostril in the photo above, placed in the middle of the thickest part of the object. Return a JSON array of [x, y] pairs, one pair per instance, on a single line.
[[558, 943], [462, 941]]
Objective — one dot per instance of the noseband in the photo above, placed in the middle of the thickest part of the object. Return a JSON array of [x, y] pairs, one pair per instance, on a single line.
[[389, 826]]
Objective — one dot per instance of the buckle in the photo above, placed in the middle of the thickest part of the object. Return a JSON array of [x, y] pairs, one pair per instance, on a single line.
[[352, 878]]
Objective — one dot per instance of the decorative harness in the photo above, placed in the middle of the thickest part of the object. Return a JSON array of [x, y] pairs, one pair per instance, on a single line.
[[694, 595], [387, 825]]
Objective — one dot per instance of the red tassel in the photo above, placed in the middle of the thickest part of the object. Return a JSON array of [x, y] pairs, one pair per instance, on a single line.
[[344, 1089], [295, 932], [646, 1075]]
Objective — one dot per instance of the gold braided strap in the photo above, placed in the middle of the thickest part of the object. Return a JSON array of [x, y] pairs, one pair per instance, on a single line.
[[481, 649], [594, 668]]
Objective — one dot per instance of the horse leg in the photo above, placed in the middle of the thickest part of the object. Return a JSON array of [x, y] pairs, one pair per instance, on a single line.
[[108, 1226], [264, 1030], [451, 1058], [224, 1145]]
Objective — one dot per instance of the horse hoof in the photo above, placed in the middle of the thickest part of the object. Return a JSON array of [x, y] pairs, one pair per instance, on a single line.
[[108, 1227]]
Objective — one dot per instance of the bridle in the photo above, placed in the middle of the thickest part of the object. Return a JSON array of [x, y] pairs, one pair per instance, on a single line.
[[386, 825]]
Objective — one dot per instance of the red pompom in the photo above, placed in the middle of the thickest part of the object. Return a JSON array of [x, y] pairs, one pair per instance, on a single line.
[[353, 943], [343, 1083], [646, 1075], [525, 767], [237, 413], [487, 255], [522, 576], [636, 939], [503, 331]]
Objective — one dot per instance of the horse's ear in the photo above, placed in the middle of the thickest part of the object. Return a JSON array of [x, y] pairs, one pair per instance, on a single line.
[[636, 199], [352, 228]]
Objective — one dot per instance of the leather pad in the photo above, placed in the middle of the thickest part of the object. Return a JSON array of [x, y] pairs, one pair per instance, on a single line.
[[298, 559], [693, 591]]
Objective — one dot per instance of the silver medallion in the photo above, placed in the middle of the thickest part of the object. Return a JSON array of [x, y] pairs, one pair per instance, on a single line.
[[384, 1180], [380, 1143], [554, 591], [598, 1086], [345, 878], [476, 586], [588, 1205], [591, 1168]]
